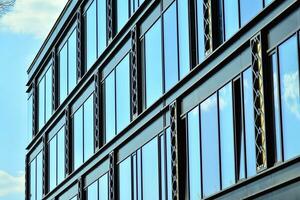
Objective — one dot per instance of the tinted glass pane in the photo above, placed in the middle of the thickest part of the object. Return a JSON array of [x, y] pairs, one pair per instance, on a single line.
[[153, 63], [88, 128], [63, 73], [290, 100], [122, 13], [162, 167], [268, 1], [183, 27], [110, 106], [200, 28], [150, 170], [249, 9], [210, 147], [61, 155], [226, 136], [39, 176], [170, 47], [101, 26], [32, 180], [231, 19], [276, 107], [48, 94], [103, 187], [91, 34], [41, 95], [72, 61], [78, 138], [194, 154], [125, 179], [92, 191], [29, 118], [123, 94], [52, 163], [249, 123], [169, 164]]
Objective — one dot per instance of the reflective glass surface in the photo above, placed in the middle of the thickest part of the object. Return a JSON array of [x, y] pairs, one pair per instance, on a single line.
[[78, 137], [32, 180], [61, 155], [200, 28], [110, 107], [39, 176], [169, 163], [52, 163], [29, 118], [125, 179], [41, 101], [63, 73], [92, 191], [91, 35], [101, 26], [72, 61], [163, 174], [249, 9], [231, 17], [122, 13], [103, 187], [48, 94], [88, 128]]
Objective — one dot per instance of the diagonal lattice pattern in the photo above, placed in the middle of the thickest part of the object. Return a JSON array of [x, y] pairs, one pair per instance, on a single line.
[[134, 72], [109, 17], [97, 110], [67, 142], [78, 43], [207, 26], [53, 78], [111, 176], [45, 164]]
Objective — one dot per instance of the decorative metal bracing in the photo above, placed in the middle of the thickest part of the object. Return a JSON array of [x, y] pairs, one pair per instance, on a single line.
[[109, 20], [67, 142], [53, 56], [174, 150], [45, 164], [79, 37], [208, 39], [34, 108], [134, 72], [258, 100], [80, 195], [112, 176], [97, 111]]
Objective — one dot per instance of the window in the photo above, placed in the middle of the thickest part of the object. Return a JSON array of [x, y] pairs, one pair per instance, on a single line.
[[125, 181], [99, 189], [95, 28], [117, 93], [36, 177], [68, 66], [200, 31], [285, 65], [83, 128], [45, 97], [57, 159], [29, 117]]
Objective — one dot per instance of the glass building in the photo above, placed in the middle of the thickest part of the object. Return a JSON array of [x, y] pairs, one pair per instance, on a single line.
[[166, 99]]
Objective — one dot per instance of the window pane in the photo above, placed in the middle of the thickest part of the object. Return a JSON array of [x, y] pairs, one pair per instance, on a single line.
[[231, 19], [41, 109], [48, 94], [103, 187], [52, 163], [110, 107], [123, 94], [194, 154], [150, 170], [92, 191], [78, 138], [153, 64], [276, 106], [169, 163], [210, 147], [72, 61], [39, 176], [61, 155], [101, 26], [249, 123], [29, 118], [290, 100], [91, 34], [88, 128], [122, 13], [170, 47], [183, 26], [162, 168], [249, 9], [32, 180], [125, 179], [200, 28], [226, 136], [63, 73]]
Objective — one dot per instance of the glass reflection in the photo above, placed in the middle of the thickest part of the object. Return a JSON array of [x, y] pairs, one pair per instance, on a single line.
[[125, 179], [91, 40], [32, 180], [48, 94], [61, 155], [122, 13], [200, 28], [72, 61], [52, 163], [41, 101], [110, 107], [29, 118], [169, 163], [249, 9], [103, 187], [231, 19], [88, 128], [101, 26], [78, 137], [39, 176], [63, 73], [92, 191]]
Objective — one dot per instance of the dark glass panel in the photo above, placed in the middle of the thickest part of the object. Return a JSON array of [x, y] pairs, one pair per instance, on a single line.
[[91, 35], [125, 179], [41, 108], [110, 106], [72, 61], [61, 155], [249, 9], [101, 26], [92, 191], [122, 13], [48, 94], [103, 187], [231, 19], [63, 73], [78, 138], [200, 28], [52, 164]]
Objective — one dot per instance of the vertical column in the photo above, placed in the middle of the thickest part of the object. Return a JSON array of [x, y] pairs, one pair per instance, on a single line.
[[98, 140], [80, 189], [34, 108], [109, 19], [80, 56], [54, 80], [258, 100], [68, 143], [112, 171], [45, 165]]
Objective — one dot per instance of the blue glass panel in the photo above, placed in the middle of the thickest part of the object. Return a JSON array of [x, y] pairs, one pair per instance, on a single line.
[[39, 176], [290, 100], [52, 163], [194, 154], [72, 61], [231, 19], [249, 123], [103, 187], [91, 35], [210, 147], [268, 2], [78, 138], [122, 13], [170, 47], [61, 155], [92, 191], [169, 164], [88, 128], [183, 28], [153, 64], [226, 136], [41, 108], [123, 94], [48, 94], [32, 180], [125, 179], [110, 107], [63, 73], [29, 118], [101, 26], [150, 170], [200, 28], [163, 173], [249, 9], [276, 106]]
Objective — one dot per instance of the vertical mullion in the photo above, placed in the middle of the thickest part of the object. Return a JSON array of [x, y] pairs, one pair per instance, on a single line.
[[234, 133], [239, 11]]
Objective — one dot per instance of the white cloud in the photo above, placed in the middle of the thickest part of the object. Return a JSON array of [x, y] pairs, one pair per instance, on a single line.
[[11, 184], [291, 93], [35, 17], [209, 103]]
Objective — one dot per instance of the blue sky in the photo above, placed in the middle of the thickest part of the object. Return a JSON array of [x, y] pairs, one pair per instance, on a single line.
[[22, 32]]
